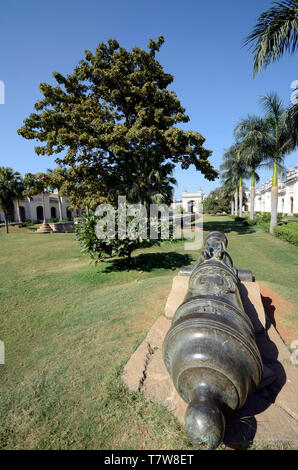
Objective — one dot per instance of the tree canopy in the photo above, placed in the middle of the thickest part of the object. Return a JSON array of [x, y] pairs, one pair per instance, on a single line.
[[113, 121]]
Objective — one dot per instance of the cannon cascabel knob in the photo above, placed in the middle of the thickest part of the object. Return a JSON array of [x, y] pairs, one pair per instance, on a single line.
[[205, 422]]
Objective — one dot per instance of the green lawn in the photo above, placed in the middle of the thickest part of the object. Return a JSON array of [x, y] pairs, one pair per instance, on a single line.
[[69, 328]]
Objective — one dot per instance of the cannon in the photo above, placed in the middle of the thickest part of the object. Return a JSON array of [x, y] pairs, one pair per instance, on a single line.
[[210, 350]]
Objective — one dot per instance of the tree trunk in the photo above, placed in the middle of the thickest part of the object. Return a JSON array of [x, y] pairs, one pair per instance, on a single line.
[[252, 203], [274, 198], [44, 209], [232, 207], [274, 201], [29, 208], [18, 210], [240, 197], [252, 197], [6, 222], [60, 207], [236, 202]]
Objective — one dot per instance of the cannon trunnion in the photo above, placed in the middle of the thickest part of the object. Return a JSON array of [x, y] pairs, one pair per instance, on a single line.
[[210, 350]]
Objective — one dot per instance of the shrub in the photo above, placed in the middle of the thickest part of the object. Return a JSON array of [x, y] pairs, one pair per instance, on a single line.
[[249, 222], [265, 226], [52, 220], [216, 205], [101, 248], [27, 223], [265, 217], [288, 232]]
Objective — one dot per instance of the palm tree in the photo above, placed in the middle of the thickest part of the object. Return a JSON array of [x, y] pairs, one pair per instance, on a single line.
[[19, 195], [235, 171], [275, 33], [272, 138], [251, 151], [227, 191], [10, 182]]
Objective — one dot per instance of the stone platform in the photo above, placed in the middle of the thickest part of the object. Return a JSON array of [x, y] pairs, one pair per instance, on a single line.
[[269, 417]]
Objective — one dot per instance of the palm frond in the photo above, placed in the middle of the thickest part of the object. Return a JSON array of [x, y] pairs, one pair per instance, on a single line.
[[275, 33], [272, 105]]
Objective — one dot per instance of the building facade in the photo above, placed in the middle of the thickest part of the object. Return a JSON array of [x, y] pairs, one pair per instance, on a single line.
[[189, 203], [35, 207], [287, 194]]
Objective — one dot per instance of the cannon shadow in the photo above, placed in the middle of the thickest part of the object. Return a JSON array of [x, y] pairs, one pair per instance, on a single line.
[[241, 427], [269, 308]]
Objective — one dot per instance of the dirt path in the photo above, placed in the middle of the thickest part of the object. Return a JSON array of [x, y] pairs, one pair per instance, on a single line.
[[277, 309]]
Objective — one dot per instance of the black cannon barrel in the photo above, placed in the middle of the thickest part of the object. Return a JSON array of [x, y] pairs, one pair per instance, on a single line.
[[210, 350]]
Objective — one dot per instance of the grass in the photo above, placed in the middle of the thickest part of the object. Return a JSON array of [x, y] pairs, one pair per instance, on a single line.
[[69, 328]]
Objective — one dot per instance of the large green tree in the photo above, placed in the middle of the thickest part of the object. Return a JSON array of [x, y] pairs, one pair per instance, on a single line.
[[10, 190], [113, 115]]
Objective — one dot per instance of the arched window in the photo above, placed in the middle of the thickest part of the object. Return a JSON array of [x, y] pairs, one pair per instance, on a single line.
[[53, 213], [282, 205], [39, 213], [292, 204]]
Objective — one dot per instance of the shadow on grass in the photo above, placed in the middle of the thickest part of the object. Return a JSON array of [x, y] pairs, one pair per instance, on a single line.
[[227, 226], [150, 261]]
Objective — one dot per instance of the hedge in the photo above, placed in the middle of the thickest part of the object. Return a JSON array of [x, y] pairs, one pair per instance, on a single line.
[[287, 232]]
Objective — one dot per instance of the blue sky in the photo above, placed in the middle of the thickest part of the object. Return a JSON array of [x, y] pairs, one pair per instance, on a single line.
[[213, 73]]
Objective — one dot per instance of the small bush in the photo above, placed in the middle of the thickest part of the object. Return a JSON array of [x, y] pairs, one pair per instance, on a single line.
[[27, 223], [100, 248], [265, 226], [288, 232], [52, 220], [265, 217], [249, 222]]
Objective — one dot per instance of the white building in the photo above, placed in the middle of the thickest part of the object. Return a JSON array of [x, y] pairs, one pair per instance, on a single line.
[[33, 208], [287, 194], [189, 203]]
